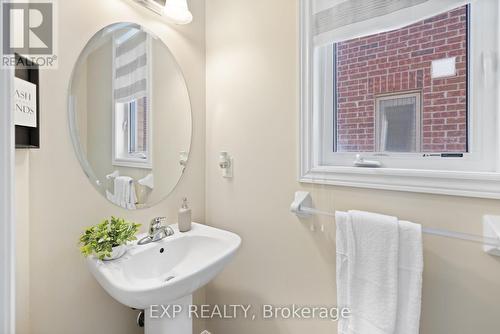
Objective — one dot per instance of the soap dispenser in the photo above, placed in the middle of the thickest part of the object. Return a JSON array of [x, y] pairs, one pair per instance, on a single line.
[[184, 219]]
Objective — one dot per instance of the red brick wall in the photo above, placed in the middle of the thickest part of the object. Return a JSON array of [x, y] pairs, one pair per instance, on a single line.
[[400, 61]]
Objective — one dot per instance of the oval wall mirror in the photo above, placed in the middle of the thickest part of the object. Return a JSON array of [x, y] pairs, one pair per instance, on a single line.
[[130, 116]]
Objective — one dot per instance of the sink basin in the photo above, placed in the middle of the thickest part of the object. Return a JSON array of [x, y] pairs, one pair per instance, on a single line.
[[164, 271]]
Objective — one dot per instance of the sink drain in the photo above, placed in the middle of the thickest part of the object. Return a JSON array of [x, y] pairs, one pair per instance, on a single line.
[[169, 278]]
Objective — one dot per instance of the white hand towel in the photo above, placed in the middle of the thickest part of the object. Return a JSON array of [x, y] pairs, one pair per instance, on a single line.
[[411, 266], [344, 229], [379, 273], [371, 251]]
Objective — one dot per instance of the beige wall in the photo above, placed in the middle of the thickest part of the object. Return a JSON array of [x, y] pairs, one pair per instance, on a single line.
[[253, 113], [64, 298]]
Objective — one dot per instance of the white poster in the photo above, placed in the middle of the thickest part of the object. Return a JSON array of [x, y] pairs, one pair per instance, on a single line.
[[24, 103]]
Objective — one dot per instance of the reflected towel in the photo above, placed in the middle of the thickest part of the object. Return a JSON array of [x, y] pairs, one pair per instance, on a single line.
[[124, 193]]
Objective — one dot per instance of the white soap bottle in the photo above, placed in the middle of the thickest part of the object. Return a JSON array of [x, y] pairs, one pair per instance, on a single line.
[[184, 218]]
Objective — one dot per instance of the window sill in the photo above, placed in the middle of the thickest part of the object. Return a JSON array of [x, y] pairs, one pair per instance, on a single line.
[[132, 163], [468, 184]]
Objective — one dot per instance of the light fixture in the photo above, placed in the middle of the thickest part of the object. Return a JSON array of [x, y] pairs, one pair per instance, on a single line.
[[154, 5], [175, 11]]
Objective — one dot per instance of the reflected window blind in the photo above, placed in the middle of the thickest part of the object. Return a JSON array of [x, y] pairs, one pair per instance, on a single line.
[[131, 67]]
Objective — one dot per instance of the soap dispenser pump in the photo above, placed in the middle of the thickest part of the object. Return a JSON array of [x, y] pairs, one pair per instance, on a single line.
[[184, 219]]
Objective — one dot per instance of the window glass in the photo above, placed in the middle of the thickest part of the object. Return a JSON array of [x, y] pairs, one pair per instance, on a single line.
[[428, 59], [131, 131], [137, 144], [132, 145]]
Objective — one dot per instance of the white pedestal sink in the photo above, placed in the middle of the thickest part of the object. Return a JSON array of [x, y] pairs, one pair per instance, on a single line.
[[165, 273], [182, 323]]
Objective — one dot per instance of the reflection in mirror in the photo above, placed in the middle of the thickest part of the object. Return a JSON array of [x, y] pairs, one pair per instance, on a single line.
[[131, 112], [130, 116], [132, 133]]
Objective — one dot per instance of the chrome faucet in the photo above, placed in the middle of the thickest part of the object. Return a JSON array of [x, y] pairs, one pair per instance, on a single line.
[[158, 230]]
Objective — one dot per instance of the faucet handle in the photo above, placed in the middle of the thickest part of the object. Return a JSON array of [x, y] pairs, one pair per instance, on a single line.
[[156, 224]]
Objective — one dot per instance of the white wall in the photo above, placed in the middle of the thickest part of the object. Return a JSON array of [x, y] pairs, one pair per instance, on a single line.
[[253, 113], [64, 298]]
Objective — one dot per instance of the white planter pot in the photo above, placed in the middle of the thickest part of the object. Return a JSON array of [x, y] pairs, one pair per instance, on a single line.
[[117, 252]]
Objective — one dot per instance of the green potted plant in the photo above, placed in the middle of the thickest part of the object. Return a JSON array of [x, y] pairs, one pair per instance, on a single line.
[[108, 239]]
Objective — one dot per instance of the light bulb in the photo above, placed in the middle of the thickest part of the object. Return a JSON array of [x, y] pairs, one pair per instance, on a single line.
[[177, 11]]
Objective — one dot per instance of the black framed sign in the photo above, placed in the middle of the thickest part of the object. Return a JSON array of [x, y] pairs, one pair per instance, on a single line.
[[26, 104]]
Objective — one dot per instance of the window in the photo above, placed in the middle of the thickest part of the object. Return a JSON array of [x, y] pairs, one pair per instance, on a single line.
[[405, 85], [132, 133], [398, 123]]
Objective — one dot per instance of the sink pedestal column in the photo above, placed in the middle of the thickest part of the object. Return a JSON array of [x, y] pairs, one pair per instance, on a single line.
[[175, 320]]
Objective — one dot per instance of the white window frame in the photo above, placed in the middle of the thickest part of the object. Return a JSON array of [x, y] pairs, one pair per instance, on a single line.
[[477, 173]]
